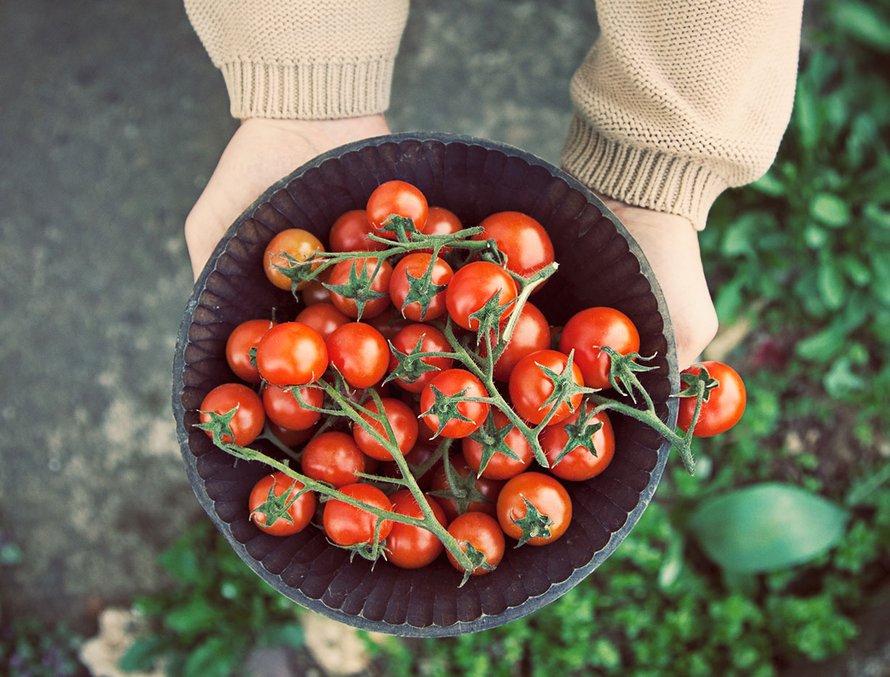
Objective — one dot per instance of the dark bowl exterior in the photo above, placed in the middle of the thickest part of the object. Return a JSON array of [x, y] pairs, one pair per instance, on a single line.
[[599, 265]]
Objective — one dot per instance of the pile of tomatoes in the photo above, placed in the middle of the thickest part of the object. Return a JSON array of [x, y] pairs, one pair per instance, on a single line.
[[359, 321]]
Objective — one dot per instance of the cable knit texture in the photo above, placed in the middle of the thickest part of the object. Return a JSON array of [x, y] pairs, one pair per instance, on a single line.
[[302, 59], [677, 100], [680, 99]]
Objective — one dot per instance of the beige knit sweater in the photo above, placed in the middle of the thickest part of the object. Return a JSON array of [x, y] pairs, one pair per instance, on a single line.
[[677, 100]]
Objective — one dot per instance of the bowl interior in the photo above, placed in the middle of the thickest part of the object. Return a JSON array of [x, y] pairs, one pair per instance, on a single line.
[[599, 265]]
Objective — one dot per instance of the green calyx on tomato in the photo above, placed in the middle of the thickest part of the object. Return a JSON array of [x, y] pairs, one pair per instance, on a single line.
[[534, 524], [277, 506], [410, 367], [359, 286], [580, 434]]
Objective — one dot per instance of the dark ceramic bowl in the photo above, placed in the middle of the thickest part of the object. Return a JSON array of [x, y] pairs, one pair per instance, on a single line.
[[599, 265]]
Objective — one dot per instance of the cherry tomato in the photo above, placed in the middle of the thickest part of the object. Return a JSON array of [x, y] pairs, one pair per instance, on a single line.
[[473, 286], [275, 507], [291, 354], [530, 334], [441, 221], [469, 493], [243, 339], [416, 265], [548, 497], [294, 242], [530, 386], [364, 269], [396, 198], [499, 466], [388, 323], [402, 421], [462, 418], [289, 438], [323, 318], [315, 291], [483, 533], [431, 340], [413, 547], [724, 405], [282, 406], [419, 456], [587, 331], [333, 457], [586, 460], [521, 238], [347, 525], [350, 233], [359, 352], [248, 421]]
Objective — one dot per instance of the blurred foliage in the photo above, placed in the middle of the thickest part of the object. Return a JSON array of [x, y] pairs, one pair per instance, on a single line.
[[215, 611], [29, 648]]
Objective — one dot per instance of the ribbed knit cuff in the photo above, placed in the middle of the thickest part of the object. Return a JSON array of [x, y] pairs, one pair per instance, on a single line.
[[640, 177], [319, 91]]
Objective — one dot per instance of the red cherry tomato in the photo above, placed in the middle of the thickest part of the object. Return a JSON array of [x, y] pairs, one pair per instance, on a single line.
[[548, 497], [333, 457], [468, 494], [248, 421], [388, 323], [468, 415], [350, 233], [724, 406], [364, 269], [297, 243], [441, 221], [531, 333], [323, 318], [473, 286], [284, 409], [530, 386], [291, 354], [402, 421], [276, 508], [431, 340], [413, 547], [243, 339], [499, 466], [359, 352], [585, 460], [523, 239], [315, 291], [483, 533], [396, 198], [416, 265], [289, 438], [589, 330], [347, 525]]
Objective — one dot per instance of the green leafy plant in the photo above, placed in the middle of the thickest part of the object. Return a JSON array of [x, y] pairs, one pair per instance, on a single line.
[[215, 611]]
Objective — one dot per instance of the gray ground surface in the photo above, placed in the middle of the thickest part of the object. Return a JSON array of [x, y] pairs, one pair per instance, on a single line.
[[112, 120]]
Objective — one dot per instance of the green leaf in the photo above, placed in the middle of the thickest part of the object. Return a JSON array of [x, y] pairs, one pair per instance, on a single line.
[[196, 616], [863, 23], [283, 634], [858, 272], [766, 526], [841, 381], [729, 300], [832, 285], [822, 346], [806, 115], [769, 184], [830, 210], [217, 657], [141, 655]]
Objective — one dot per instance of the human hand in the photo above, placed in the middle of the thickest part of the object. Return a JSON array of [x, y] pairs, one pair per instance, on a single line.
[[259, 153], [670, 244]]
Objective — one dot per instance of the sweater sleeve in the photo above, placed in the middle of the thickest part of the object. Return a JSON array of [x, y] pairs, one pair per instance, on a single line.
[[302, 59], [679, 100]]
